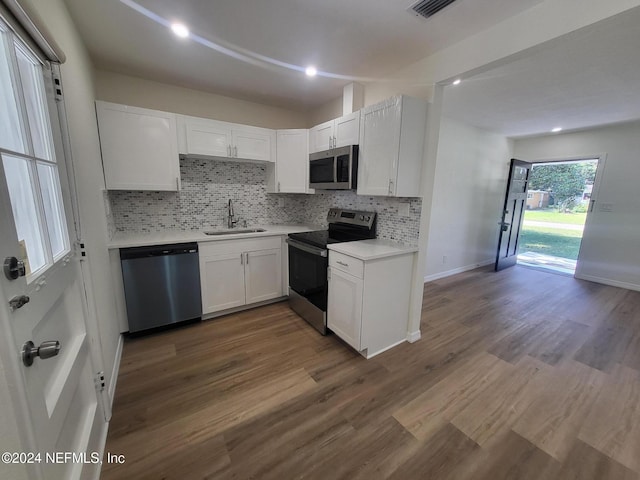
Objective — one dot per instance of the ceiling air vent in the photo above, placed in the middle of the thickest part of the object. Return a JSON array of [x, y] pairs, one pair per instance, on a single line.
[[427, 8]]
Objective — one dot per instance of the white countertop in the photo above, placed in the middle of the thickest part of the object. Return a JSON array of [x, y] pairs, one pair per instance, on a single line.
[[125, 240], [371, 249]]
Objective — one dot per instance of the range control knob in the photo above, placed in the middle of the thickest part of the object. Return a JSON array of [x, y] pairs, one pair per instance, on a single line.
[[362, 217]]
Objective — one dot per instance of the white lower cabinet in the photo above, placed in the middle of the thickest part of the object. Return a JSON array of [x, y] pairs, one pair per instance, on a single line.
[[263, 275], [344, 310], [368, 304], [240, 272]]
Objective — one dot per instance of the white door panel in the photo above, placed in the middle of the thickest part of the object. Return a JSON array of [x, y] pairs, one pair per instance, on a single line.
[[222, 279], [55, 400]]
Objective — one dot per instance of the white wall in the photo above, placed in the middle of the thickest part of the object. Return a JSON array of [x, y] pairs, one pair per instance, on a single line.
[[610, 250], [79, 97], [118, 88], [470, 180]]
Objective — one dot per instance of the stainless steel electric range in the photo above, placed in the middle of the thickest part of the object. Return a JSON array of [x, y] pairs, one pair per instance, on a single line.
[[308, 261]]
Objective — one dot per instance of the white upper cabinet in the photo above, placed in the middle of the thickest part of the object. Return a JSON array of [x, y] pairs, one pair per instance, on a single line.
[[340, 132], [391, 147], [253, 143], [212, 138], [321, 137], [292, 161], [347, 130], [139, 148], [207, 138]]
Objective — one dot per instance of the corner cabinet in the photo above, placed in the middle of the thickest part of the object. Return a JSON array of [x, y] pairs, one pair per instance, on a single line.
[[139, 148], [391, 147], [368, 302], [336, 133], [240, 272], [291, 173], [201, 137]]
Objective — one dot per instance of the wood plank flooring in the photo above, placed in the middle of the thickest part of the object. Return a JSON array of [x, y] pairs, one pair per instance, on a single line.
[[520, 375]]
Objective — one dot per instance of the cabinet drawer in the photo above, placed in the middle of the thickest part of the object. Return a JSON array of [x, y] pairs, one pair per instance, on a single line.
[[347, 264]]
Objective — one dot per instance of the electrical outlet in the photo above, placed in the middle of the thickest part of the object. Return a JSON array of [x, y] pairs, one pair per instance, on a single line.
[[444, 259], [403, 209]]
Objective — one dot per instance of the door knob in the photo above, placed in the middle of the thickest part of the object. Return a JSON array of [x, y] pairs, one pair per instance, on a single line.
[[47, 349], [14, 268]]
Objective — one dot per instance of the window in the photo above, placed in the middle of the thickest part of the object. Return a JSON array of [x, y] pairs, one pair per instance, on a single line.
[[28, 155], [529, 195]]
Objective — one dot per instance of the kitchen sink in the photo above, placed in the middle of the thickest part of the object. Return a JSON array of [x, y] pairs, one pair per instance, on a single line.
[[234, 232]]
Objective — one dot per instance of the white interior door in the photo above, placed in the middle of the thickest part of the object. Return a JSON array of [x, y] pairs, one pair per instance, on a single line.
[[55, 398]]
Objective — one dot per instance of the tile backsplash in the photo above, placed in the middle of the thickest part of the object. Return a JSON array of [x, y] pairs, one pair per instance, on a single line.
[[208, 185]]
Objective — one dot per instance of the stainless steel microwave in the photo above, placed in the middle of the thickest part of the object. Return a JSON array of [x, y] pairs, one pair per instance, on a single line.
[[335, 169]]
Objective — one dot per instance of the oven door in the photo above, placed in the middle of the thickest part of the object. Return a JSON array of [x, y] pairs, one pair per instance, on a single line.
[[308, 272], [322, 170]]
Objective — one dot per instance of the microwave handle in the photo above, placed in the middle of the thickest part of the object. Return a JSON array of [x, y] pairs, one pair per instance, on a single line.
[[335, 169]]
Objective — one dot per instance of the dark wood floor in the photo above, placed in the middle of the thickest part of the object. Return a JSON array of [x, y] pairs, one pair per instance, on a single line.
[[519, 375]]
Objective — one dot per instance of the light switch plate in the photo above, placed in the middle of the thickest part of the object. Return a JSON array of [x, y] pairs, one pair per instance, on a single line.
[[403, 209]]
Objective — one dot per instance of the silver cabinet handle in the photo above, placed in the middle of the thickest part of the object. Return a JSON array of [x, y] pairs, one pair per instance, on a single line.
[[278, 186], [390, 187], [46, 350], [235, 150], [247, 258], [242, 259], [342, 263]]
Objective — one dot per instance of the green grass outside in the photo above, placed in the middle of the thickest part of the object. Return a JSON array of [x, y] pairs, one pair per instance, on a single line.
[[553, 216], [550, 241]]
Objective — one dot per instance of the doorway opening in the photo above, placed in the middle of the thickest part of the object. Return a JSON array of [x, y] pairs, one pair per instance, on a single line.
[[557, 204]]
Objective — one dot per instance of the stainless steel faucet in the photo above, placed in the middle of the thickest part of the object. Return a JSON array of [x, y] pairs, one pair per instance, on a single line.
[[231, 221]]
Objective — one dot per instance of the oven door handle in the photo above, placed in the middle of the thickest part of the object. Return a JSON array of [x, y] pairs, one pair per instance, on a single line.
[[321, 252]]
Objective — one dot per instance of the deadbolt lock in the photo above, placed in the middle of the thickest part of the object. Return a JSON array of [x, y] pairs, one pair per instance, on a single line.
[[14, 268]]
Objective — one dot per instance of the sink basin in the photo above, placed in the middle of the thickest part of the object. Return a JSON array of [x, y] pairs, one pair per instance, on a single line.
[[234, 232]]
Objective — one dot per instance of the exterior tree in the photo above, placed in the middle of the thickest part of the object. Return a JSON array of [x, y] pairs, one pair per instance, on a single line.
[[565, 181]]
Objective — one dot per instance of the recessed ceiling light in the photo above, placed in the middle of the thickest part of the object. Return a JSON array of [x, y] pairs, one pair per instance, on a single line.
[[456, 82], [557, 129], [311, 71], [180, 30]]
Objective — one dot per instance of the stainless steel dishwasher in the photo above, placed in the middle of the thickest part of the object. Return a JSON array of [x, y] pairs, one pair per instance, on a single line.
[[161, 285]]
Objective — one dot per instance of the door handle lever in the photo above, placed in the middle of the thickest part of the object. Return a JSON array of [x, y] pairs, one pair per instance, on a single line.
[[47, 349]]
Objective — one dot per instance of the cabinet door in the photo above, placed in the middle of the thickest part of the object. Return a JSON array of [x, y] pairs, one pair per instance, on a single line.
[[379, 149], [139, 148], [321, 137], [292, 161], [222, 282], [344, 307], [263, 274], [347, 131], [252, 144], [208, 138]]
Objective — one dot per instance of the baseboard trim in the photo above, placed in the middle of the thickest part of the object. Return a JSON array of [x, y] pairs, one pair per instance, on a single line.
[[413, 337], [116, 369], [448, 273], [608, 281]]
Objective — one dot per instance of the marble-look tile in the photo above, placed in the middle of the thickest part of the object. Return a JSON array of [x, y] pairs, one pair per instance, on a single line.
[[208, 185]]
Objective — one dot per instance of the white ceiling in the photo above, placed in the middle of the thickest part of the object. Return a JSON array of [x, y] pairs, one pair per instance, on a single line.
[[358, 38], [588, 78]]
